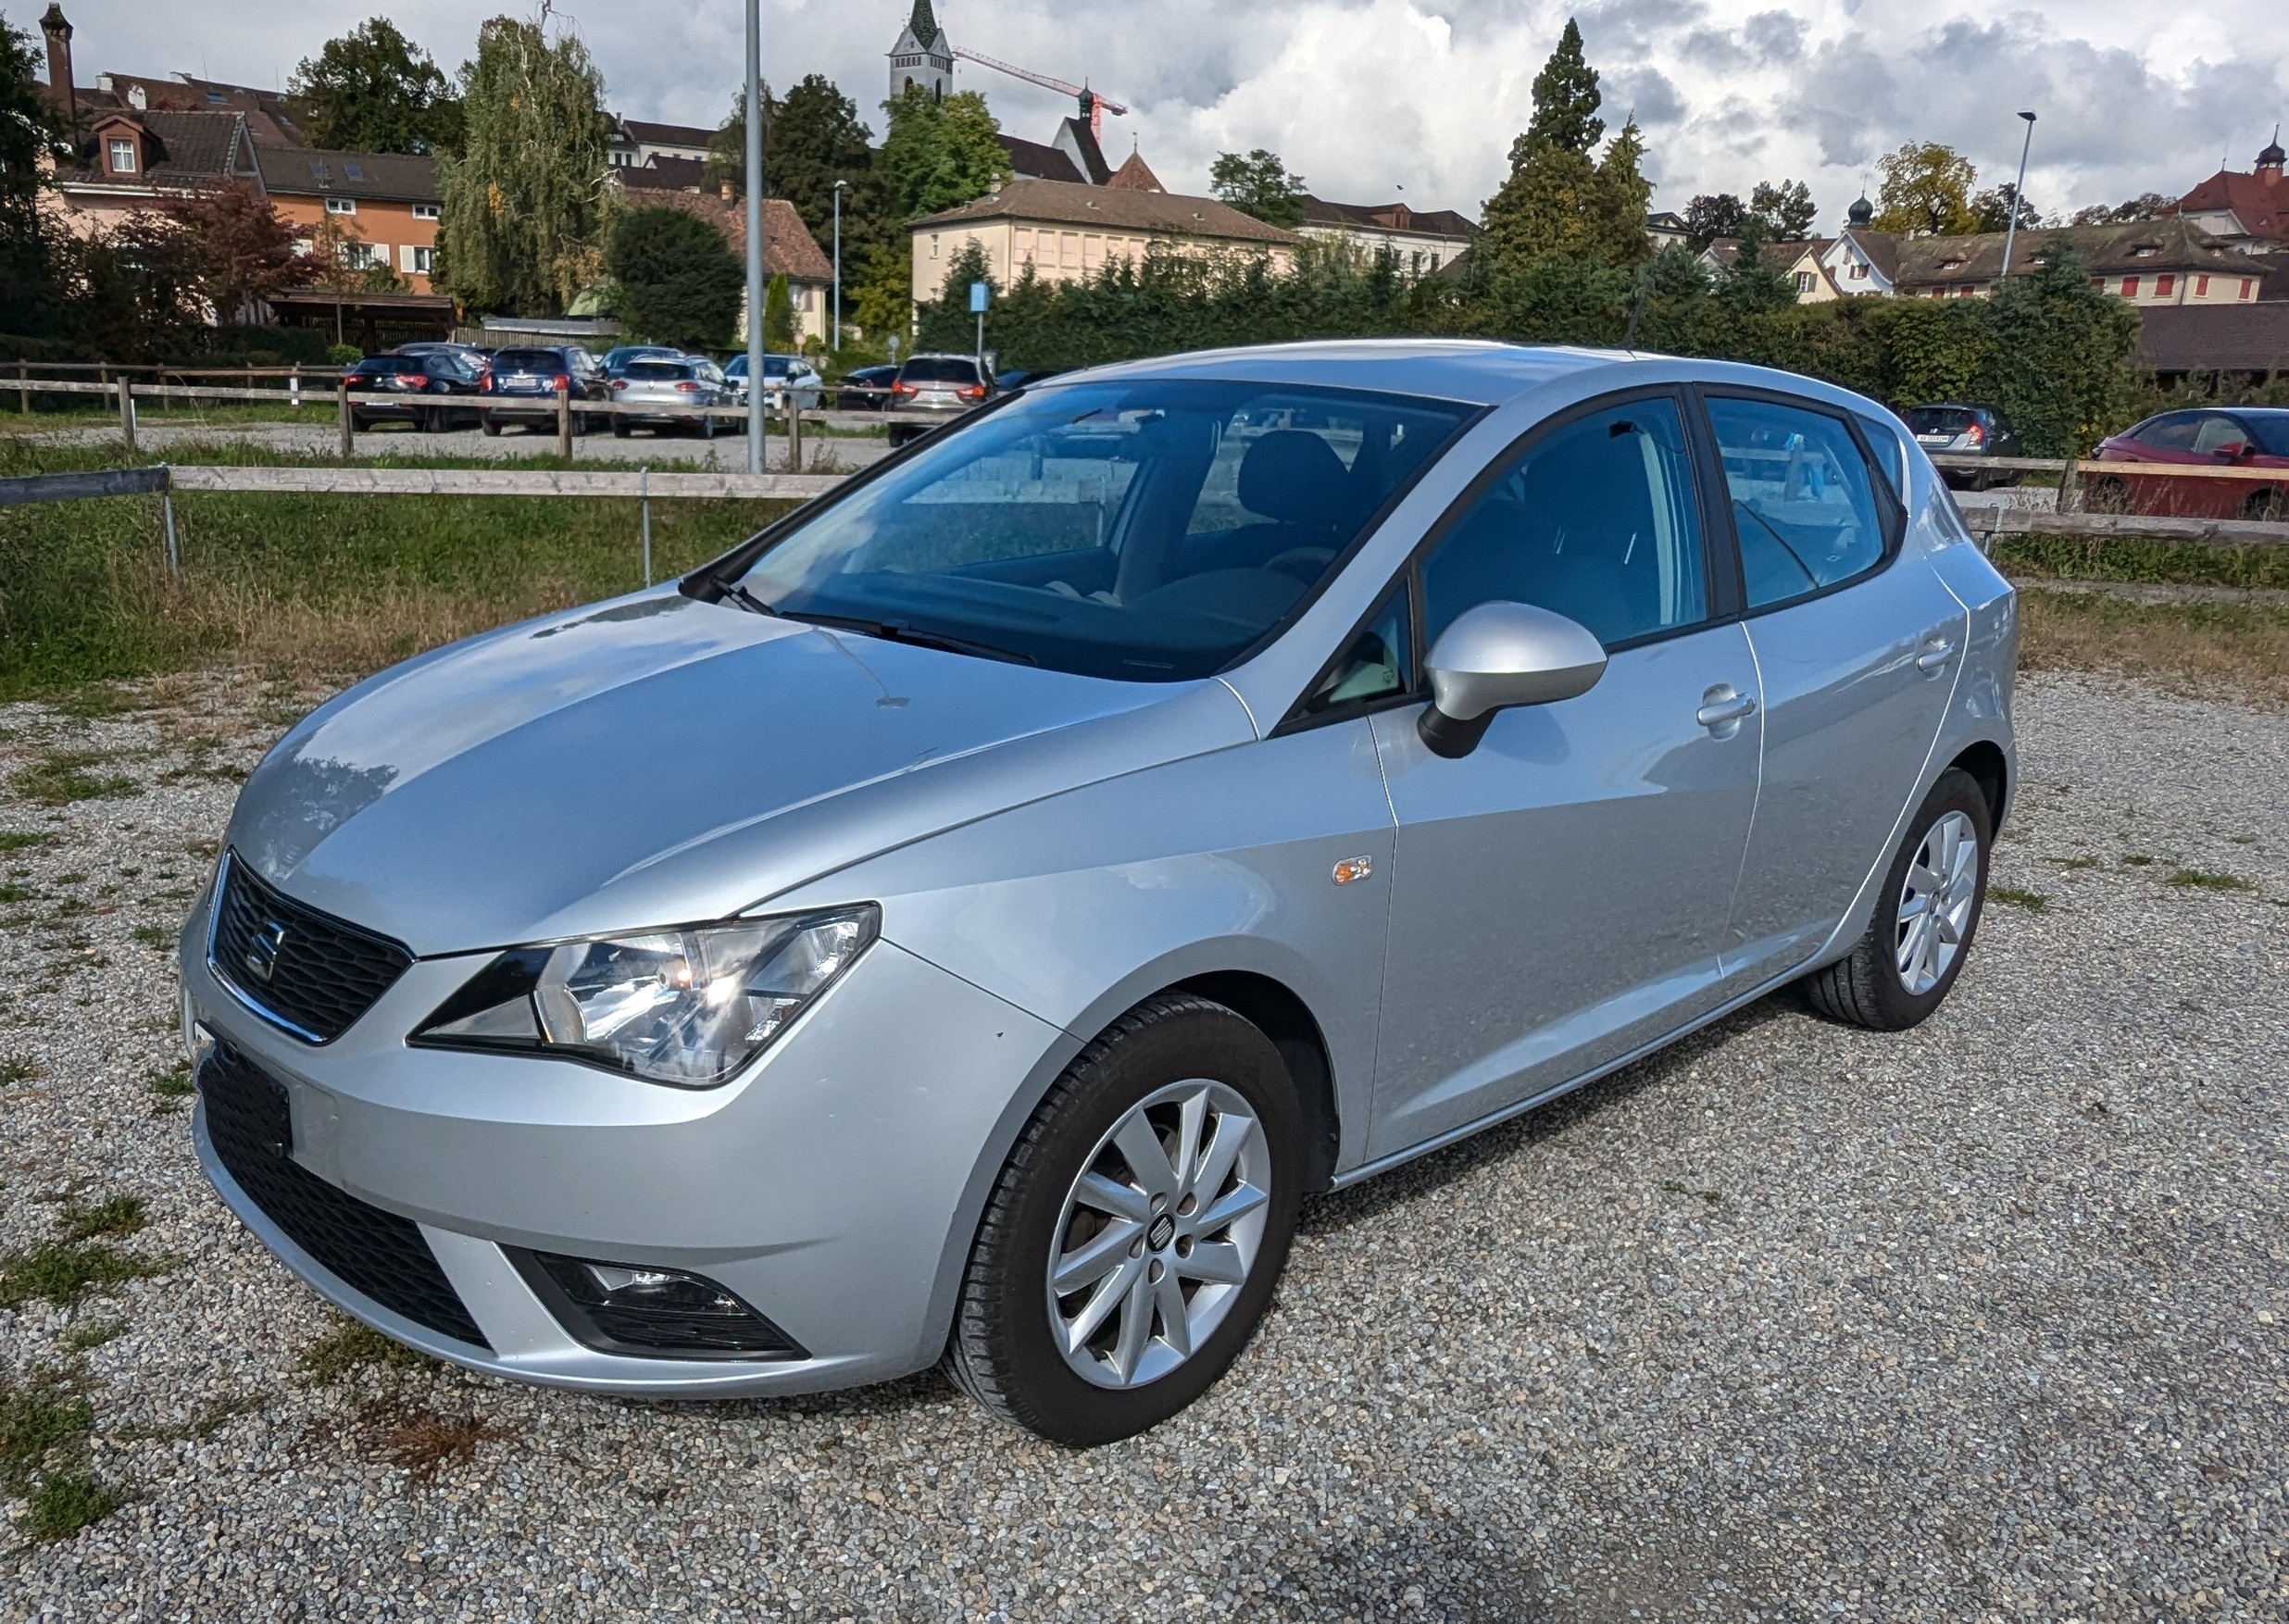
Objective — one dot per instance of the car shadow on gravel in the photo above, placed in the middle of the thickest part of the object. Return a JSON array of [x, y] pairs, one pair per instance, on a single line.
[[1338, 1210]]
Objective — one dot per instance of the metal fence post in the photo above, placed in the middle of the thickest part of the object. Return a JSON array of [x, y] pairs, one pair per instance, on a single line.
[[127, 410], [564, 422], [342, 401], [167, 512], [643, 494]]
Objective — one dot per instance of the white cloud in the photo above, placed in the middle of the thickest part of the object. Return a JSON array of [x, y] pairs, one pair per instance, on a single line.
[[1362, 96]]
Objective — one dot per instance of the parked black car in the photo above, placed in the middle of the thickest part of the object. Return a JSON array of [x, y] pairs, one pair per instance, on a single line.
[[427, 382], [867, 390], [522, 385], [1950, 428], [1024, 377]]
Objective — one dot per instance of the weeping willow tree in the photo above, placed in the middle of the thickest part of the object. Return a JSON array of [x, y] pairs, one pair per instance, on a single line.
[[526, 211]]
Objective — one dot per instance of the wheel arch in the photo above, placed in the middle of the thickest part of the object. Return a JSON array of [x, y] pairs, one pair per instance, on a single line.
[[1274, 1009], [1991, 770]]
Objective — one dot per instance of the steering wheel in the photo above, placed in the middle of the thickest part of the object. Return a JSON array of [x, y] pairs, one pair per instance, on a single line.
[[1304, 563]]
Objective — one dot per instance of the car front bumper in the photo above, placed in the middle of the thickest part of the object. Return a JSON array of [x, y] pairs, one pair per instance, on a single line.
[[832, 1186]]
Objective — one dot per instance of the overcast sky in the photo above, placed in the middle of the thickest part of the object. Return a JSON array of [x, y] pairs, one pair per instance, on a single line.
[[1364, 97]]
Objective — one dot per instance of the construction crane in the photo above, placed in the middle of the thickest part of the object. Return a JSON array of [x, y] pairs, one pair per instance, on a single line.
[[1092, 106]]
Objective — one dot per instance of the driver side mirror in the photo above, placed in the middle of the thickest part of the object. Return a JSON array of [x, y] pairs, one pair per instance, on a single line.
[[1497, 656], [2231, 451]]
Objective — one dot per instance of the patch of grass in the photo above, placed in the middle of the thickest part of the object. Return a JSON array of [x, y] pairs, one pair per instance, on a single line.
[[10, 893], [2244, 840], [2223, 651], [2209, 879], [1673, 1187], [2137, 859], [66, 1273], [94, 1335], [121, 1215], [17, 1068], [175, 1081], [65, 775], [21, 840], [91, 702], [159, 936], [2084, 861], [65, 1502], [2132, 559], [351, 1347], [2033, 901]]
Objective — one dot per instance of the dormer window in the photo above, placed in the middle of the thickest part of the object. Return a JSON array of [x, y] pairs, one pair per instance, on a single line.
[[121, 157]]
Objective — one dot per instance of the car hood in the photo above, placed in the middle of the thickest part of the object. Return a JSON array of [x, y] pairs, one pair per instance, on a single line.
[[657, 760]]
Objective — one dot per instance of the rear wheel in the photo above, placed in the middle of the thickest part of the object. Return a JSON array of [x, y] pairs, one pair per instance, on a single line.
[[488, 425], [2267, 507], [1926, 916], [1137, 1230], [620, 427], [2107, 494]]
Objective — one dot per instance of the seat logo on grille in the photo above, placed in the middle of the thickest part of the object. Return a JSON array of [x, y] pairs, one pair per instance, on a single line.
[[261, 955]]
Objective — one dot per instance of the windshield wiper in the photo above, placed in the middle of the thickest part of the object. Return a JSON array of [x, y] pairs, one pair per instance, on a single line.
[[899, 631]]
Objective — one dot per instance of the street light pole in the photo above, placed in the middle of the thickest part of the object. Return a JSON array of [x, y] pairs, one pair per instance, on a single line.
[[835, 340], [2019, 199], [756, 346]]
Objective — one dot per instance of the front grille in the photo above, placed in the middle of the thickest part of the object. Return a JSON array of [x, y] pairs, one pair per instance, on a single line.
[[311, 973], [374, 1253]]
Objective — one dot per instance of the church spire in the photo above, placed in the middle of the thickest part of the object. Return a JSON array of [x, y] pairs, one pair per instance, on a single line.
[[923, 23]]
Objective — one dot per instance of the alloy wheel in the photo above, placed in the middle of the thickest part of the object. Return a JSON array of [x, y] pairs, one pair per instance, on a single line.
[[1157, 1233], [1935, 903]]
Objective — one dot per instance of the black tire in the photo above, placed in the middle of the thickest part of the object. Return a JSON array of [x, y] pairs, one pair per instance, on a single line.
[[488, 425], [2267, 506], [2107, 494], [620, 427], [1864, 987], [1001, 1351]]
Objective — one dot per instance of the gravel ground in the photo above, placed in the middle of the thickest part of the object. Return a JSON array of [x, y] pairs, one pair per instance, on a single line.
[[318, 435], [1979, 1321]]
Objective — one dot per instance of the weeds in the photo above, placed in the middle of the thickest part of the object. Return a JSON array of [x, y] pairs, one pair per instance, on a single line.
[[21, 840], [10, 893], [66, 1274], [351, 1347], [160, 936], [174, 1083], [93, 1334], [65, 775], [17, 1068], [2032, 901], [2209, 879], [122, 1215], [2084, 861], [44, 1427], [420, 1441]]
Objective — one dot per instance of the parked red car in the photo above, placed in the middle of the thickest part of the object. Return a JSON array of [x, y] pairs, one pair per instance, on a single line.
[[2256, 438]]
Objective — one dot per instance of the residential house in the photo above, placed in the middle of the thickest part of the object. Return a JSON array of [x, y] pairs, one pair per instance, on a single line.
[[126, 164], [2248, 212], [634, 142], [1801, 262], [1063, 231], [789, 249], [2148, 262], [1667, 228], [1423, 239], [381, 209], [272, 118]]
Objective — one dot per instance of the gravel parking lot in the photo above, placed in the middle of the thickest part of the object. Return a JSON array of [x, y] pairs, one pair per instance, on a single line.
[[1984, 1320]]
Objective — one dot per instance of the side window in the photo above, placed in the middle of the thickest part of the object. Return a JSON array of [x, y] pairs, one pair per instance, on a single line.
[[1377, 664], [2171, 432], [1804, 505], [2217, 432], [1595, 522], [1891, 453]]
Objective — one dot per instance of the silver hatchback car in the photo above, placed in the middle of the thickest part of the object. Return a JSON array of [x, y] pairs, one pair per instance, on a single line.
[[960, 923]]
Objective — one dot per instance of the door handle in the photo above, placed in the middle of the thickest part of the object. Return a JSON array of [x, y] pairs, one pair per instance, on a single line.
[[1936, 656], [1721, 706]]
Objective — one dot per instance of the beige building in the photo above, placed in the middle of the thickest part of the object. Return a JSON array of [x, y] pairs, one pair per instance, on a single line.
[[2167, 261], [1423, 239], [1065, 233]]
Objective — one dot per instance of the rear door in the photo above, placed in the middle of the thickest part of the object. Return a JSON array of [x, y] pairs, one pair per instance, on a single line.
[[1857, 649], [1558, 895]]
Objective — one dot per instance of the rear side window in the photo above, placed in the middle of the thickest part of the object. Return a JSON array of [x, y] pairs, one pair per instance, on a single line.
[[1595, 520], [1804, 504], [2171, 432], [940, 370]]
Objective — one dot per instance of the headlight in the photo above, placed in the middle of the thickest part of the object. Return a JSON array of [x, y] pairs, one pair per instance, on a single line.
[[686, 1006]]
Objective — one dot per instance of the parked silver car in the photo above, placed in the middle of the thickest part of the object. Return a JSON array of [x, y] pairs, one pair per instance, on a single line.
[[656, 393], [962, 921], [932, 390]]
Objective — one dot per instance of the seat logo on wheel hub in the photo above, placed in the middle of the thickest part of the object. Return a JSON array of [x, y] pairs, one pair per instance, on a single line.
[[1161, 1233]]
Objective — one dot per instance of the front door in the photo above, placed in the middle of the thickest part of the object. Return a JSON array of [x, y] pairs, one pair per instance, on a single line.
[[1857, 650], [1559, 895]]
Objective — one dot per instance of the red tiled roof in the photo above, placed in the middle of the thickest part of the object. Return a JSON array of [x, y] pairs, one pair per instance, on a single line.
[[789, 249], [2260, 202]]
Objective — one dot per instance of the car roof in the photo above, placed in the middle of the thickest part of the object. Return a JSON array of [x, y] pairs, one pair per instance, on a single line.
[[1482, 370]]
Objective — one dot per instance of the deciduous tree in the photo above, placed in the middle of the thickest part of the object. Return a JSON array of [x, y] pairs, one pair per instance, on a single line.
[[1713, 215], [373, 89], [243, 251], [940, 154], [1257, 183], [526, 209], [1925, 188], [2147, 205], [1785, 208]]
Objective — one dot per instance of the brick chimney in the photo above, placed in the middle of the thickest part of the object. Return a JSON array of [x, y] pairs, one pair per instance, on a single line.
[[58, 32]]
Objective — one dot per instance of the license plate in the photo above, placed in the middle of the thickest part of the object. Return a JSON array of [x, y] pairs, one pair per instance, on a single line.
[[1935, 439]]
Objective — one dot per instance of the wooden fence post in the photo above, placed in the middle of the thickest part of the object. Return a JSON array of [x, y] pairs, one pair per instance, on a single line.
[[563, 421], [341, 399], [794, 432], [23, 387], [293, 387], [127, 410], [2071, 486]]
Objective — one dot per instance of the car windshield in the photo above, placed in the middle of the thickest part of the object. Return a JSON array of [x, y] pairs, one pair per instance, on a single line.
[[528, 361], [656, 372], [1144, 530], [2271, 430], [1937, 420], [940, 370]]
